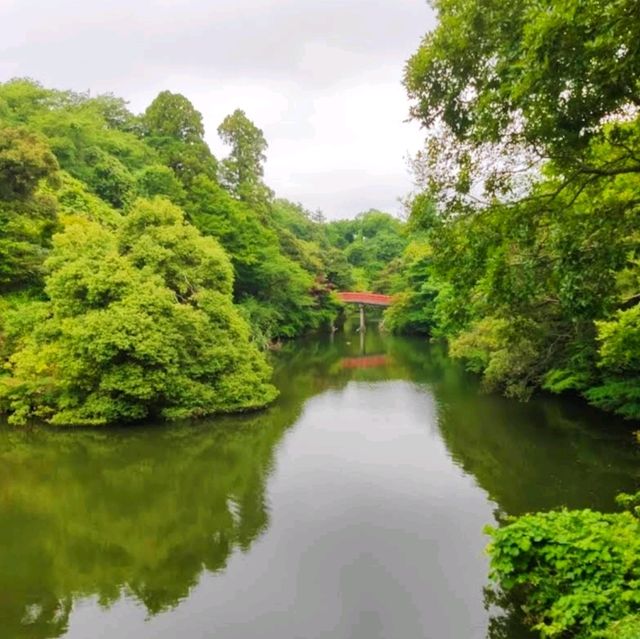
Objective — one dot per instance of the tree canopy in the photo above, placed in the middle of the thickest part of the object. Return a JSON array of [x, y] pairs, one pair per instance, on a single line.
[[528, 210], [242, 171], [139, 322], [548, 71]]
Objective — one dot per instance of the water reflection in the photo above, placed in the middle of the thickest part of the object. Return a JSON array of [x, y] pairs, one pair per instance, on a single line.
[[149, 513], [98, 513], [543, 454], [365, 361]]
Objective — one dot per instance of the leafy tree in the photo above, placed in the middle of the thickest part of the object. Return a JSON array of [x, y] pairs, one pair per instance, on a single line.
[[296, 219], [76, 130], [532, 163], [548, 72], [24, 161], [338, 270], [413, 306], [171, 115], [110, 179], [140, 323], [74, 197], [275, 289], [619, 353], [21, 99], [303, 236], [115, 113], [174, 128], [242, 171], [370, 242], [27, 218], [160, 180]]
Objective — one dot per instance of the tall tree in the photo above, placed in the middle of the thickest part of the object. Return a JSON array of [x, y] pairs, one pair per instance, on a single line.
[[242, 171], [174, 128], [537, 279], [172, 115]]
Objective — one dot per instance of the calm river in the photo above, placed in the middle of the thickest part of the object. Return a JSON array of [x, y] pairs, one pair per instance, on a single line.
[[352, 509]]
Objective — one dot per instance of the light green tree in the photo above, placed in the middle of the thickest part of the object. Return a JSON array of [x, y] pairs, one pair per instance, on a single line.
[[140, 323]]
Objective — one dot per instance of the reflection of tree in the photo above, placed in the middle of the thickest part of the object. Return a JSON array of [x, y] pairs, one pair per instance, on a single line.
[[506, 620], [531, 456], [98, 513], [535, 456], [138, 510]]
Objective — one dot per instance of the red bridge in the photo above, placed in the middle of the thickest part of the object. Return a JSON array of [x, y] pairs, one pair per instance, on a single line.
[[370, 299]]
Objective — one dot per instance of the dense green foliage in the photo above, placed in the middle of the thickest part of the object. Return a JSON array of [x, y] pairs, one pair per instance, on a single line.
[[577, 571], [27, 219], [372, 243], [410, 277], [138, 322], [528, 217], [139, 276]]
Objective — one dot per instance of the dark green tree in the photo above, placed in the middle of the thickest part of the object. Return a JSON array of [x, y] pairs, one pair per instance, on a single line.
[[27, 218], [242, 171], [174, 128], [533, 161]]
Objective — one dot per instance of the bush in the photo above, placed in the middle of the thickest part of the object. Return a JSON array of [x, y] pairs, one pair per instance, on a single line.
[[576, 572]]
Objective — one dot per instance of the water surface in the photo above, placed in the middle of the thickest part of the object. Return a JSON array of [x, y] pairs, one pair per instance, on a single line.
[[351, 509]]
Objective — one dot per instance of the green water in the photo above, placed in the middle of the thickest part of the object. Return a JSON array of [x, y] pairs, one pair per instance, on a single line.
[[351, 509]]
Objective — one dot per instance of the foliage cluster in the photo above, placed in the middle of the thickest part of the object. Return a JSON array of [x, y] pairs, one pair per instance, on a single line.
[[576, 572], [137, 322], [528, 215], [372, 243]]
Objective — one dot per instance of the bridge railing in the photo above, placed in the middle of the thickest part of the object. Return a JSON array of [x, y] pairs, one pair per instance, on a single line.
[[362, 297]]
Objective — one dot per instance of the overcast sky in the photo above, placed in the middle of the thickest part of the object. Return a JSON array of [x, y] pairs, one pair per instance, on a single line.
[[322, 78]]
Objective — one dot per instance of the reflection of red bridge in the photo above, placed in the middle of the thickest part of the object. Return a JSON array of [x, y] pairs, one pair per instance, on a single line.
[[366, 361], [370, 299]]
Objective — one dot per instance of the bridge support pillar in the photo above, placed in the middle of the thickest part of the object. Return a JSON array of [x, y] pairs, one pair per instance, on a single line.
[[363, 325]]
